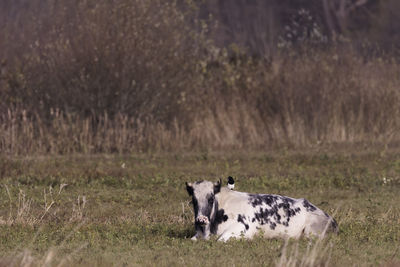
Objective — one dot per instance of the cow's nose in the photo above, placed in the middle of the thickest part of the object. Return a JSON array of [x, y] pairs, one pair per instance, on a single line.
[[202, 220]]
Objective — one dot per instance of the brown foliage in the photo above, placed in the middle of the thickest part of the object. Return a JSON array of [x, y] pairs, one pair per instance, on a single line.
[[118, 76]]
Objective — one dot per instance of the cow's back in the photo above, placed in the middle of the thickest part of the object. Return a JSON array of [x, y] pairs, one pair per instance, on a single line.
[[274, 215]]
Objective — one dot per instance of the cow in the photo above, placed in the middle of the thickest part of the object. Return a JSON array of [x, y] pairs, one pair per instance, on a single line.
[[227, 213]]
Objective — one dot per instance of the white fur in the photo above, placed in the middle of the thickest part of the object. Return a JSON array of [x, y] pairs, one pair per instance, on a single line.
[[234, 203]]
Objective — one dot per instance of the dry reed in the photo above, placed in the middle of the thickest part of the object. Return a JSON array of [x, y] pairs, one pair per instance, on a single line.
[[121, 77]]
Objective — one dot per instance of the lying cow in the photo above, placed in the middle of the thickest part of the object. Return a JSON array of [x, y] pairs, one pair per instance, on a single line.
[[228, 213]]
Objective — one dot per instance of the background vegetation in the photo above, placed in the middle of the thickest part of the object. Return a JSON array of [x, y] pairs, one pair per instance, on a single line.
[[125, 76]]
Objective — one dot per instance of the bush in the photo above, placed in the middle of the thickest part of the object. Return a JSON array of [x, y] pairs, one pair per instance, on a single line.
[[122, 76], [90, 57]]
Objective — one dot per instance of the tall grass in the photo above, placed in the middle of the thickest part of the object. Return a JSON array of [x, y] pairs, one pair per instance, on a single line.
[[22, 213], [123, 76]]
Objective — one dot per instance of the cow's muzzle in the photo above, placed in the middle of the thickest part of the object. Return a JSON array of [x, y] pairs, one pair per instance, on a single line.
[[202, 220]]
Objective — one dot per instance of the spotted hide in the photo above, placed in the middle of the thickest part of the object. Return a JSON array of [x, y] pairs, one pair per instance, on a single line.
[[227, 213]]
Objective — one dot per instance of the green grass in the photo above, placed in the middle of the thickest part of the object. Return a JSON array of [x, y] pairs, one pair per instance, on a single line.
[[136, 210]]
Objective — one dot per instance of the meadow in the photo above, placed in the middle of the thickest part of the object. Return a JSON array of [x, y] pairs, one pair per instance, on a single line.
[[133, 209], [107, 108]]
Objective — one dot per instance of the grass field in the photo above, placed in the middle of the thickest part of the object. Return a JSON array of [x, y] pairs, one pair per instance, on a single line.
[[134, 210]]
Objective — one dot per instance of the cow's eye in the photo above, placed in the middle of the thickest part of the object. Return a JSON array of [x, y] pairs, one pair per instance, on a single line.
[[211, 200]]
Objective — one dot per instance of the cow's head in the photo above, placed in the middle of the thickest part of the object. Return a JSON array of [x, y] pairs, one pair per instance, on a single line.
[[203, 198]]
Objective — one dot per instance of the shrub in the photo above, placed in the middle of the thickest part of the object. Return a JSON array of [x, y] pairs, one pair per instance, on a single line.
[[123, 76]]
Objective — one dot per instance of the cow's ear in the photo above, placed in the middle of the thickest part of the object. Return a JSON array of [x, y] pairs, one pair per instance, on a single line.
[[217, 187], [189, 188]]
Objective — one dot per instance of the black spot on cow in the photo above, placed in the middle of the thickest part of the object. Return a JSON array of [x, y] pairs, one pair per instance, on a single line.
[[260, 199], [217, 188], [273, 210], [189, 189], [309, 207], [219, 218], [199, 227], [257, 200], [195, 206], [264, 216], [242, 219], [206, 209], [278, 217], [334, 226]]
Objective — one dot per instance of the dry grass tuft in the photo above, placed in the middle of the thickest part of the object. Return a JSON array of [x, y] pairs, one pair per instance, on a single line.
[[27, 259], [316, 254], [22, 213]]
